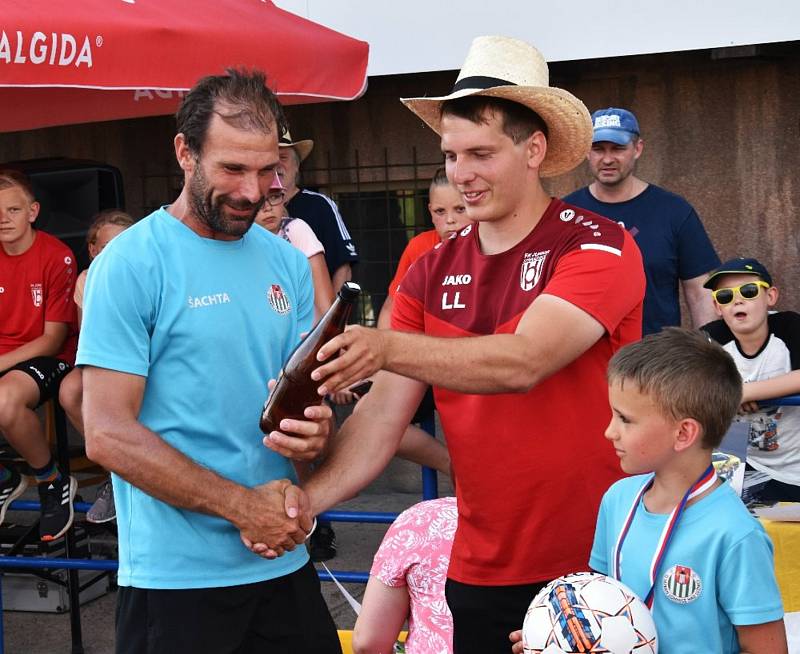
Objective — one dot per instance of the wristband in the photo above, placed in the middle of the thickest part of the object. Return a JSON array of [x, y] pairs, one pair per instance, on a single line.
[[311, 531]]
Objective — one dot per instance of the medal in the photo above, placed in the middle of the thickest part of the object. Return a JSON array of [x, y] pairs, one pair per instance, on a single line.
[[706, 481]]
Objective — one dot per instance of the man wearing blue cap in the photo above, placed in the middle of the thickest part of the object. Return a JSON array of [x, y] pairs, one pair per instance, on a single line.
[[674, 245]]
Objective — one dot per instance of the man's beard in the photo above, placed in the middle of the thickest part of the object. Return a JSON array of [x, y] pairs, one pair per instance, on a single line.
[[211, 212]]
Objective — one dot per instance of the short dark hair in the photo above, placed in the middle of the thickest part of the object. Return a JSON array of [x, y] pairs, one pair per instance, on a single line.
[[686, 375], [440, 178], [107, 217], [10, 177], [252, 106], [518, 121]]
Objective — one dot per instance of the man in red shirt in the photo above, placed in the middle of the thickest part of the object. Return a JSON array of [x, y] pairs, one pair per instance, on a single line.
[[513, 323], [37, 348]]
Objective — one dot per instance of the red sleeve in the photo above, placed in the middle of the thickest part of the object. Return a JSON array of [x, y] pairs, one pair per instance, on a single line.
[[607, 285], [416, 247], [408, 311], [60, 279]]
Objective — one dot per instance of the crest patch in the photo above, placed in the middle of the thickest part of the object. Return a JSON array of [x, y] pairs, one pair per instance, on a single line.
[[681, 584]]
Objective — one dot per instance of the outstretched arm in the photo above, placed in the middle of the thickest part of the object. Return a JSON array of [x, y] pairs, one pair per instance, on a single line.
[[366, 441], [48, 344], [498, 363]]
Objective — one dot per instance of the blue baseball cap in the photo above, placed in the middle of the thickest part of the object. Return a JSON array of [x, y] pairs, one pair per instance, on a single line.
[[740, 265], [615, 125]]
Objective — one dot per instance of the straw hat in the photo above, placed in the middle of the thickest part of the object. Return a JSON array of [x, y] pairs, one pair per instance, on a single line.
[[502, 67], [303, 148]]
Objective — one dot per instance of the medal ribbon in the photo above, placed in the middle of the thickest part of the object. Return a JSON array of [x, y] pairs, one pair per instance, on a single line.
[[705, 482]]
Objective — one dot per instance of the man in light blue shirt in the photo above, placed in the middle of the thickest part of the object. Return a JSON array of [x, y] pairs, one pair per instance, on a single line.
[[183, 326]]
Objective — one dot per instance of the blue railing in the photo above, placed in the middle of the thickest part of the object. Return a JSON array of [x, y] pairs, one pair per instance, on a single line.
[[73, 565]]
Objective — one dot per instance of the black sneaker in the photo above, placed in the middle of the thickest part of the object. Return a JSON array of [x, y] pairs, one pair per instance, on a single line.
[[56, 498], [11, 489], [322, 544]]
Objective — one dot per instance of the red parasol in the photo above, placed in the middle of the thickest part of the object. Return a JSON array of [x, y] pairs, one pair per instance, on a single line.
[[93, 60]]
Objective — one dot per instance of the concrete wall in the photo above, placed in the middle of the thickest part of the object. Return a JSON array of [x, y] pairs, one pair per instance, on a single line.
[[721, 132]]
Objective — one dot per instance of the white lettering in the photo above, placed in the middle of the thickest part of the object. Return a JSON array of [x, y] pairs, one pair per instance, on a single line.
[[457, 304], [457, 280], [53, 49], [40, 50], [38, 55], [607, 121], [5, 48], [20, 58], [85, 55], [67, 43], [208, 300], [152, 94]]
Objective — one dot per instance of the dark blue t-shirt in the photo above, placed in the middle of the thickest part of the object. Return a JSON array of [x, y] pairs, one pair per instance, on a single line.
[[673, 242], [322, 215]]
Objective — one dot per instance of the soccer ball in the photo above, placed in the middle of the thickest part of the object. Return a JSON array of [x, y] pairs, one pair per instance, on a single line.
[[588, 612]]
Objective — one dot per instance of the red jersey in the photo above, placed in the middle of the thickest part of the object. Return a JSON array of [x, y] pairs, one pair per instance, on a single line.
[[531, 467], [416, 247], [37, 287]]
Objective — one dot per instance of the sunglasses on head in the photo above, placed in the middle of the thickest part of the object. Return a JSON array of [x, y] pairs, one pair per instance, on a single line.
[[749, 291]]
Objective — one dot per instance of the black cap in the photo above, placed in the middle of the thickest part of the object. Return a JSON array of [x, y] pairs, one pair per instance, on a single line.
[[349, 291], [737, 266]]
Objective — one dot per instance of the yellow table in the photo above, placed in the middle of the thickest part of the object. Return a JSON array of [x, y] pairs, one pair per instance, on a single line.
[[785, 538], [346, 640]]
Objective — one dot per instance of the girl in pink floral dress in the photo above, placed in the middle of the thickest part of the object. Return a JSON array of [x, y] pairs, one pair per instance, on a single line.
[[407, 582]]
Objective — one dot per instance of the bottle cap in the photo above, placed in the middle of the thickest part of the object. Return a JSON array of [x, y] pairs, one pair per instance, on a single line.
[[349, 291]]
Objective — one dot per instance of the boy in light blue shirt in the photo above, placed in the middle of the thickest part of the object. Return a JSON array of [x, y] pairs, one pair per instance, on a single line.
[[675, 533]]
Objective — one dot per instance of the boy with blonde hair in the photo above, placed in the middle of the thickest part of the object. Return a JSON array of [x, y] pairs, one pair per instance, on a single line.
[[37, 348], [674, 532]]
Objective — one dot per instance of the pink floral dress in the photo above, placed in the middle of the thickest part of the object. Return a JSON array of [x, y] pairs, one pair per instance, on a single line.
[[416, 553]]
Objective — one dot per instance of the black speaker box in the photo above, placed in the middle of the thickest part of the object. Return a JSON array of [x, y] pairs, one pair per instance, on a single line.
[[71, 192]]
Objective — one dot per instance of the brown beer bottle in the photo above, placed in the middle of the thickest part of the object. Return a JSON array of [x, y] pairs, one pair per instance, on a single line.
[[295, 389]]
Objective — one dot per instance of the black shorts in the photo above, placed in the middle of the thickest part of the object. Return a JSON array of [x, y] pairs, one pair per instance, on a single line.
[[286, 615], [47, 372], [483, 616]]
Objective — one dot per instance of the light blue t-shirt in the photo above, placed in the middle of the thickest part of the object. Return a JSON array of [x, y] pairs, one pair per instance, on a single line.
[[718, 570], [207, 323]]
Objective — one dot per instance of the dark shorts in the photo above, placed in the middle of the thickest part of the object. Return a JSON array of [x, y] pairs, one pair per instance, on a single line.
[[773, 491], [483, 616], [287, 615], [47, 372]]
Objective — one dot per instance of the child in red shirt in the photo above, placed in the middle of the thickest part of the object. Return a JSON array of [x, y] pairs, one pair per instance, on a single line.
[[37, 347]]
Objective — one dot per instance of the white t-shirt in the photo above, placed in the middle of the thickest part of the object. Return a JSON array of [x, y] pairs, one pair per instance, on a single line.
[[775, 430]]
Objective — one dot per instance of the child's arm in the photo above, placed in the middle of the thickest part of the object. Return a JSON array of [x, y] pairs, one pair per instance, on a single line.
[[48, 344], [384, 610], [767, 638], [788, 384]]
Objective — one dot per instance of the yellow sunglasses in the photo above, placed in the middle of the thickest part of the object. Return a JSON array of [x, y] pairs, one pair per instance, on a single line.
[[748, 291]]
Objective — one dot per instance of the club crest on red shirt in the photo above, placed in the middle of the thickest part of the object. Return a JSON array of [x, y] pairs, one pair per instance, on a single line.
[[36, 294], [531, 270]]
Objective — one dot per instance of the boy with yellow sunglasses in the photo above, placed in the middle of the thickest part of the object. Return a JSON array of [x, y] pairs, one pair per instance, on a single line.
[[765, 345]]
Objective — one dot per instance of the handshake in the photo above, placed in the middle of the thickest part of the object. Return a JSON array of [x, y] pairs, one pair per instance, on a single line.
[[276, 519]]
